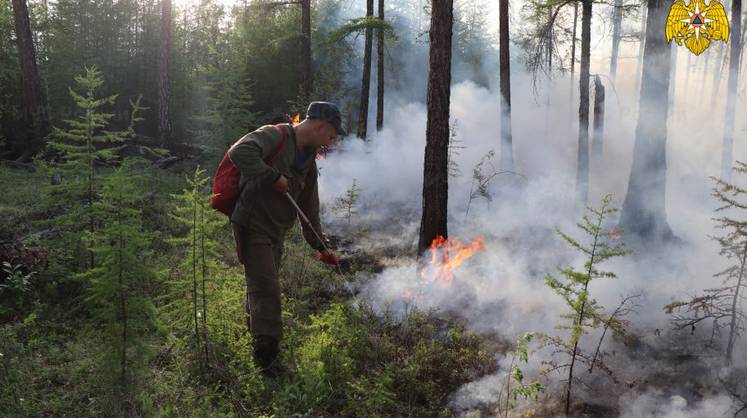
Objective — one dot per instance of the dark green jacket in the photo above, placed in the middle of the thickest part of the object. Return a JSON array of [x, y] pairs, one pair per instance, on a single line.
[[262, 210]]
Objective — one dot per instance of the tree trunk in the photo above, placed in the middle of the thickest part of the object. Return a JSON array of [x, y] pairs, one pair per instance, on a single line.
[[616, 23], [34, 107], [672, 79], [582, 174], [731, 98], [644, 211], [366, 83], [573, 48], [164, 87], [306, 78], [380, 72], [597, 145], [641, 45], [733, 322], [436, 176], [507, 156]]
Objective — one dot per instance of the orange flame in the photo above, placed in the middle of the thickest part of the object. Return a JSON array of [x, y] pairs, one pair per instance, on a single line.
[[446, 255], [295, 119]]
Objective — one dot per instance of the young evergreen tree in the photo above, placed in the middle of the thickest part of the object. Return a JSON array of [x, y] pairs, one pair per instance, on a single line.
[[585, 313], [123, 310], [188, 308], [85, 142], [721, 304]]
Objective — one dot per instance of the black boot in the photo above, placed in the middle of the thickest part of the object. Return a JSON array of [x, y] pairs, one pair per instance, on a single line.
[[266, 350]]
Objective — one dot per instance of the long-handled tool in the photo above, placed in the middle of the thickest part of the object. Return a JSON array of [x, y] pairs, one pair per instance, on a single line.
[[308, 222]]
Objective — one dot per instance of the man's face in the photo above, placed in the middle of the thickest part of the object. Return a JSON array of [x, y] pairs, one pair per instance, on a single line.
[[326, 135]]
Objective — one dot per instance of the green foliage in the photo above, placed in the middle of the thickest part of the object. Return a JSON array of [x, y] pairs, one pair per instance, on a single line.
[[360, 25], [124, 313], [85, 142], [347, 205], [15, 284], [482, 174], [194, 280], [525, 390], [585, 313]]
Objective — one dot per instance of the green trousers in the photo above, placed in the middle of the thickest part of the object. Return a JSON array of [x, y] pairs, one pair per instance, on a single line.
[[261, 261]]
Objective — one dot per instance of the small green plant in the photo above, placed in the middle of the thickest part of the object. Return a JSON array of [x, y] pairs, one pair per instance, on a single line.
[[525, 390], [573, 286], [125, 316], [482, 174], [84, 143], [347, 205], [200, 262], [14, 285]]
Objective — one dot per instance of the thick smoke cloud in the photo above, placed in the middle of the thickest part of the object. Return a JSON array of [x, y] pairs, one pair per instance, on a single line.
[[501, 289]]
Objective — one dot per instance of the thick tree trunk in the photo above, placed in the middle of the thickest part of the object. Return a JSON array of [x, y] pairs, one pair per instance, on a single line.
[[164, 85], [366, 83], [731, 98], [616, 23], [436, 176], [380, 72], [34, 107], [306, 78], [582, 174], [507, 155], [644, 211], [597, 145]]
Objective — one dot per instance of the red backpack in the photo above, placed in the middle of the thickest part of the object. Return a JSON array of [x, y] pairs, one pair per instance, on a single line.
[[226, 181]]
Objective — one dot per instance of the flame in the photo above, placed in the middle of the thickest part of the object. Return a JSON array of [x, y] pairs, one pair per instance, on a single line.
[[446, 255], [295, 119]]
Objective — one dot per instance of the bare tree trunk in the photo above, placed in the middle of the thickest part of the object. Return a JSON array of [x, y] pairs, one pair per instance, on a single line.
[[366, 83], [34, 106], [582, 174], [641, 46], [380, 72], [573, 48], [597, 145], [731, 98], [672, 79], [644, 210], [306, 77], [733, 331], [507, 154], [616, 23], [164, 87], [436, 177]]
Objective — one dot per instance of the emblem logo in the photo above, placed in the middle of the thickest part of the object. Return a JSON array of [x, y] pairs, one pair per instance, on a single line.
[[697, 24]]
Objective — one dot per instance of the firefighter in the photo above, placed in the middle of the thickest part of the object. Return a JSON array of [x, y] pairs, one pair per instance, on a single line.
[[273, 160]]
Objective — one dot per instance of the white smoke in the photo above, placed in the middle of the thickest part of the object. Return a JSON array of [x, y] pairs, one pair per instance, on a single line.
[[501, 289]]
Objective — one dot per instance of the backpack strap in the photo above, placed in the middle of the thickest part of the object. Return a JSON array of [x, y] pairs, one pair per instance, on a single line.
[[281, 145]]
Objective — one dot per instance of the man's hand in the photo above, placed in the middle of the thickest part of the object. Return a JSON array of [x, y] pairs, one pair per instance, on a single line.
[[328, 257], [281, 184]]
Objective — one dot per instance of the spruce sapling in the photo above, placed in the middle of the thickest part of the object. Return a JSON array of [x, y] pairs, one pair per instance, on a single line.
[[124, 312], [573, 285], [347, 205], [201, 222], [83, 143]]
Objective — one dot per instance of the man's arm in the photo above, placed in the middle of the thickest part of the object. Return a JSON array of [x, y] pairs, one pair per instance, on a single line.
[[249, 153]]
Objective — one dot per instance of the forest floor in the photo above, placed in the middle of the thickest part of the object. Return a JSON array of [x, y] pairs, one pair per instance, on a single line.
[[341, 355]]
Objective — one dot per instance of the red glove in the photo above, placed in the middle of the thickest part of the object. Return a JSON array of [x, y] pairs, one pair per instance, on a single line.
[[327, 257]]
